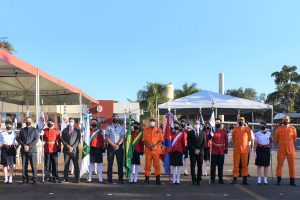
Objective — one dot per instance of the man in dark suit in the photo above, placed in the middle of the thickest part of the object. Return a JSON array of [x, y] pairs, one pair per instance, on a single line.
[[196, 144], [71, 139], [28, 138]]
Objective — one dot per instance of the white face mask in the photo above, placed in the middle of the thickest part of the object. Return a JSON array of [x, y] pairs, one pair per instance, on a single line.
[[152, 124], [196, 127], [71, 124]]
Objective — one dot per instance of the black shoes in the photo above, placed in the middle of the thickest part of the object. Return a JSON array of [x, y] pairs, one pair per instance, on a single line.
[[147, 181], [65, 181], [292, 182], [234, 181], [245, 180], [278, 180], [158, 180]]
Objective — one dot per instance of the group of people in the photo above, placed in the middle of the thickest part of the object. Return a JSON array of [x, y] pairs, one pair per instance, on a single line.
[[201, 143]]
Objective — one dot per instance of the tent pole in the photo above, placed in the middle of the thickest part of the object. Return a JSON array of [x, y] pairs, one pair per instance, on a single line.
[[252, 115], [272, 113]]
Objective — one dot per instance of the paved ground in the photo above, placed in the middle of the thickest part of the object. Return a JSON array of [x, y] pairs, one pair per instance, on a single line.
[[166, 191]]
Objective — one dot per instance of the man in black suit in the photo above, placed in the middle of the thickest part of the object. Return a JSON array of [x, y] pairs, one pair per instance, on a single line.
[[28, 138], [71, 139], [196, 144]]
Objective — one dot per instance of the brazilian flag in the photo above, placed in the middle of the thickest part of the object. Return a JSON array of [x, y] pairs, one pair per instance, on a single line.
[[128, 153]]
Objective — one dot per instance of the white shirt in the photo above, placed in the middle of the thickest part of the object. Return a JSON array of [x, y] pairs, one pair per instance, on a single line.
[[263, 139], [115, 133], [8, 139]]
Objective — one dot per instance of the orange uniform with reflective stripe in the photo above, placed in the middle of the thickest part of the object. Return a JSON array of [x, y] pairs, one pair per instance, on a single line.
[[241, 136], [152, 136], [286, 136]]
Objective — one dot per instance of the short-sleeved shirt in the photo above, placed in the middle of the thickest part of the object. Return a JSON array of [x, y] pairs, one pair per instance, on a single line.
[[263, 138], [8, 139], [115, 133]]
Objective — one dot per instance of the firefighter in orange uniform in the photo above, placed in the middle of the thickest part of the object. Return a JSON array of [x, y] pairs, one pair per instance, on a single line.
[[286, 136], [52, 149], [241, 136], [153, 139]]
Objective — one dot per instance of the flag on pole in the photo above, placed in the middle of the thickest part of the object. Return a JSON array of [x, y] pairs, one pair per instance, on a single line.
[[201, 120], [212, 123], [64, 122], [86, 145], [41, 122], [168, 142], [128, 153]]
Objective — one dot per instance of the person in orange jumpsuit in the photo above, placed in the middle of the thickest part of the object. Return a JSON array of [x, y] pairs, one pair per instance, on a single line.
[[153, 139], [241, 136], [286, 136]]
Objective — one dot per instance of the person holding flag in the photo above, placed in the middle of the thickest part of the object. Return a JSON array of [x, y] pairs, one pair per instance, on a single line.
[[96, 150], [196, 144], [241, 136], [285, 136], [219, 147], [138, 151], [178, 147], [153, 139], [128, 149], [185, 157]]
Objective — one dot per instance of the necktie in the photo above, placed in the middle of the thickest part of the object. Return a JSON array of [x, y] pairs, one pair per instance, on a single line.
[[71, 131]]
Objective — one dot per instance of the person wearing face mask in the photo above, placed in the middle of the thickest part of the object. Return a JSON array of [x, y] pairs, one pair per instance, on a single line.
[[70, 138], [96, 151], [206, 157], [8, 147], [263, 144], [285, 136], [241, 136], [115, 134], [177, 149], [196, 143], [52, 147], [219, 148], [153, 139], [28, 138], [185, 157], [138, 151]]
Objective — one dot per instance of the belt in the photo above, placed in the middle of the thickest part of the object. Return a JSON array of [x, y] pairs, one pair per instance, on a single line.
[[6, 146], [263, 146], [50, 142], [218, 145]]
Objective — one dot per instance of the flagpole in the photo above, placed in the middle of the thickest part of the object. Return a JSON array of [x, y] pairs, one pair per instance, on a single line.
[[43, 143], [210, 148]]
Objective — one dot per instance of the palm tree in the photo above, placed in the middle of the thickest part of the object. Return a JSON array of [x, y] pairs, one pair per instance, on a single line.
[[186, 90], [6, 46], [287, 86], [151, 96]]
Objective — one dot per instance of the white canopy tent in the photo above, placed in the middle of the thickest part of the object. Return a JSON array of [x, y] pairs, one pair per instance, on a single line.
[[206, 100]]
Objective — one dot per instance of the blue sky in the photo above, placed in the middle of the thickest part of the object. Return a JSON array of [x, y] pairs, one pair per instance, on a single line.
[[111, 48]]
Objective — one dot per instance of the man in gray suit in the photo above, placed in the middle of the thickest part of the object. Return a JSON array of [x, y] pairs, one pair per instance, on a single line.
[[71, 139], [28, 138]]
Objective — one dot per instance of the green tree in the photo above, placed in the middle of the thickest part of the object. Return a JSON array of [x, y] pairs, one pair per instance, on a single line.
[[151, 94], [287, 88], [6, 46], [248, 93], [186, 90]]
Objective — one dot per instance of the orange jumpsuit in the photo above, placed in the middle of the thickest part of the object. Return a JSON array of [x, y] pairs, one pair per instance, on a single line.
[[152, 136], [286, 136], [241, 136]]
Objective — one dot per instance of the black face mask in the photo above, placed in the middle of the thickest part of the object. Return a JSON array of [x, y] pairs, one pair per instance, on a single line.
[[115, 120], [28, 123], [8, 128], [176, 128], [285, 123], [218, 126], [94, 125], [135, 128], [182, 125], [262, 128], [50, 125], [241, 123]]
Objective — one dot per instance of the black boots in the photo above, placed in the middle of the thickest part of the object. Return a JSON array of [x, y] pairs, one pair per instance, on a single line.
[[158, 180], [221, 180], [278, 180], [292, 182], [147, 181], [245, 180], [234, 181]]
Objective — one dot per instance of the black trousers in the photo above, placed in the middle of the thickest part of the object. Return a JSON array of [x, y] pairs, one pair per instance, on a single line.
[[32, 158], [67, 158], [110, 161], [217, 160], [51, 165], [196, 159], [240, 165]]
